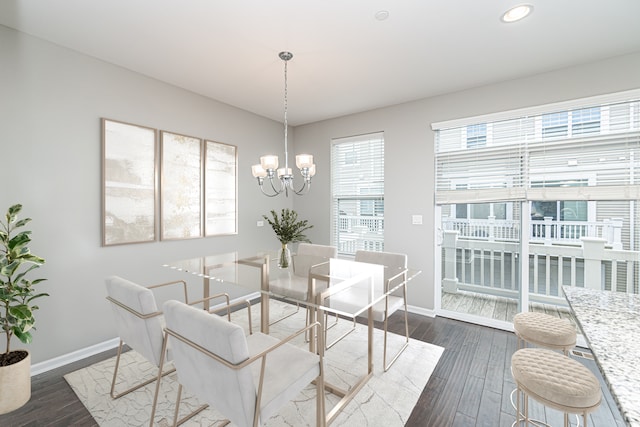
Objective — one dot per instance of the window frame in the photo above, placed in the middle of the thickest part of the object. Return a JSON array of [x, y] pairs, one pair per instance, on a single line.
[[357, 208]]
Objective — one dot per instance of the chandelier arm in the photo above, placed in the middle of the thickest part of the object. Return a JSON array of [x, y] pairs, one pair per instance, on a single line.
[[276, 190], [305, 185], [260, 184]]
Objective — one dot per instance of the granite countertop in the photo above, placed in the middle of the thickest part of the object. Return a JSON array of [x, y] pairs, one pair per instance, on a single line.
[[610, 322]]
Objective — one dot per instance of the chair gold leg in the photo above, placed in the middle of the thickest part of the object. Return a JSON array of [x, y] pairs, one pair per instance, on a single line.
[[196, 412], [115, 372], [286, 315], [133, 388], [328, 344], [320, 414], [178, 398], [406, 335]]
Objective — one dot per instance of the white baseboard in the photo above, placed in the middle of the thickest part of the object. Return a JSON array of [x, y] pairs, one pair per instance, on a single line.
[[420, 310], [56, 362]]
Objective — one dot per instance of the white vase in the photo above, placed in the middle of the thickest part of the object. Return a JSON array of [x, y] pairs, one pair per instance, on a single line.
[[15, 385]]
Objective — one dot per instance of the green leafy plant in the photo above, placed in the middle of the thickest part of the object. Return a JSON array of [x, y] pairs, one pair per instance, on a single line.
[[17, 293], [287, 227], [289, 230]]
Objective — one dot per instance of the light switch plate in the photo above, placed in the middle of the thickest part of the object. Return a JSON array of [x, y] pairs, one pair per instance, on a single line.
[[416, 219]]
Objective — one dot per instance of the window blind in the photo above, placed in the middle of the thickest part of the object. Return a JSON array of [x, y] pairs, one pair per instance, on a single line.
[[357, 173], [543, 156]]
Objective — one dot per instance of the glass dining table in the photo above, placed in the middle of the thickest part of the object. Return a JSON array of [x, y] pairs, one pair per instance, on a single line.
[[335, 286]]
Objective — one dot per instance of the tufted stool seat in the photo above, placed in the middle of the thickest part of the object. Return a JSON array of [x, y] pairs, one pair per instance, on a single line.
[[544, 330], [554, 380]]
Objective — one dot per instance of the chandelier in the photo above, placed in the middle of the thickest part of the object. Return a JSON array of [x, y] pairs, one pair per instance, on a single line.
[[268, 166]]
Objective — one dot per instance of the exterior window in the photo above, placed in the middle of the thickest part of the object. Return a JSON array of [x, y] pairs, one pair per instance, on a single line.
[[357, 172], [568, 124], [372, 207], [481, 210], [477, 135], [555, 125], [564, 210], [585, 121]]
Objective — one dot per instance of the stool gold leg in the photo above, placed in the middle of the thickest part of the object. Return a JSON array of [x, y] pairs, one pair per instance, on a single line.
[[518, 405]]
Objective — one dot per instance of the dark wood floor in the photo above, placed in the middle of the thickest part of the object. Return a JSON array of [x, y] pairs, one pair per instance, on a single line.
[[469, 387]]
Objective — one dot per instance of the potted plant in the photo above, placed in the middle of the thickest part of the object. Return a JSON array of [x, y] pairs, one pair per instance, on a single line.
[[17, 294], [289, 230]]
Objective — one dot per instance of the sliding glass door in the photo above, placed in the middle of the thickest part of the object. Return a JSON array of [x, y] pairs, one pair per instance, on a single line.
[[527, 205], [481, 261]]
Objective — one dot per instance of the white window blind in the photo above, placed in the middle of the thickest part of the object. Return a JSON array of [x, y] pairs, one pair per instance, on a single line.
[[357, 172], [543, 156]]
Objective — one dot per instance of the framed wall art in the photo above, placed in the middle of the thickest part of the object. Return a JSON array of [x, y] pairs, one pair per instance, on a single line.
[[180, 186], [129, 183], [220, 188]]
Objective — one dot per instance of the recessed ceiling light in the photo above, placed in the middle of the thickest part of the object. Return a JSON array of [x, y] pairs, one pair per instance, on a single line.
[[517, 13], [381, 15]]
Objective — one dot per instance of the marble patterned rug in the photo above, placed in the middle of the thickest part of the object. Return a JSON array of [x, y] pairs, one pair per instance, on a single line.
[[387, 399]]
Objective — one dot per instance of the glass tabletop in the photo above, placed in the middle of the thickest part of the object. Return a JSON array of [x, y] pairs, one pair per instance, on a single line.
[[351, 287], [343, 286]]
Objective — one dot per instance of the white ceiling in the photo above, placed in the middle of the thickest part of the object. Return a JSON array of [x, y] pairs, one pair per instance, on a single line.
[[345, 61]]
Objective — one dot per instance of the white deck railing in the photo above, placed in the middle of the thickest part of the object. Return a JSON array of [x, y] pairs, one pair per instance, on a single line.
[[545, 231], [492, 267], [360, 232]]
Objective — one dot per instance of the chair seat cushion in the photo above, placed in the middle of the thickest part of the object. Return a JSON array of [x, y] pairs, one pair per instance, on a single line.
[[293, 287], [556, 380], [395, 303], [288, 370], [545, 330]]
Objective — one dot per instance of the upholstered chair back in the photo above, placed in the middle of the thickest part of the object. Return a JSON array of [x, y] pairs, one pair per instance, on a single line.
[[310, 254], [390, 259], [394, 261], [230, 391], [143, 335]]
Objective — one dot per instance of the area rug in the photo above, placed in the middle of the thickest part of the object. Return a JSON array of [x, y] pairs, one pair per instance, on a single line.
[[387, 399]]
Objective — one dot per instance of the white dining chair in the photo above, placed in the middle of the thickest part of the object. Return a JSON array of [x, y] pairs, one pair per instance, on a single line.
[[397, 263], [140, 324], [297, 285], [246, 378]]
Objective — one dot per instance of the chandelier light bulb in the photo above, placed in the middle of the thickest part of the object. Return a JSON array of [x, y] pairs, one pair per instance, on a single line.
[[304, 160], [284, 172], [269, 162], [258, 171]]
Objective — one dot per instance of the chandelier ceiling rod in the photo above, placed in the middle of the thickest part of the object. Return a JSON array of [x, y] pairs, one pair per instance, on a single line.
[[268, 166]]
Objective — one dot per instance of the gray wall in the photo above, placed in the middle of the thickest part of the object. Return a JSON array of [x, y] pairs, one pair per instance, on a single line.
[[409, 160], [51, 102]]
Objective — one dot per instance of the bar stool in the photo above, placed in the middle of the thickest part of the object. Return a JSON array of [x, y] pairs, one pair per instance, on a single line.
[[556, 381], [544, 330]]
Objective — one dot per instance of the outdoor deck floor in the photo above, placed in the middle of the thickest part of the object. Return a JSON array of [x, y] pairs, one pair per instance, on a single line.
[[497, 308]]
